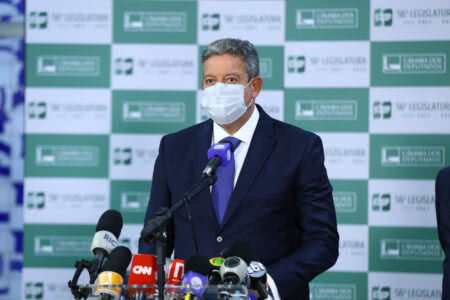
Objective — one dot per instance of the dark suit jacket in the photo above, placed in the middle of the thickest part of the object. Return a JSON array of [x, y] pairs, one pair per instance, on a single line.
[[282, 202], [443, 221]]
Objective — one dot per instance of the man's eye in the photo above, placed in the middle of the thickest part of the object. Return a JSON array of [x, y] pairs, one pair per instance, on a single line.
[[232, 80], [208, 81]]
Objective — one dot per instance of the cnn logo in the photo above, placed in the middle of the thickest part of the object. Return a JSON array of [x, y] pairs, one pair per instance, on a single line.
[[144, 270]]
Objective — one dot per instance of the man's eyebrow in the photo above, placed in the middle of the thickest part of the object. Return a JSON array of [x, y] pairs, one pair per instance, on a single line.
[[208, 75], [227, 75], [234, 74]]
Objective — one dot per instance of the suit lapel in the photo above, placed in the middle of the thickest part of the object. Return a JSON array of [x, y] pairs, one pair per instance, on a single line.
[[260, 148], [202, 144]]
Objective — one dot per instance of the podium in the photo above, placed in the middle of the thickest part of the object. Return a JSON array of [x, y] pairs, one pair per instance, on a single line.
[[172, 292]]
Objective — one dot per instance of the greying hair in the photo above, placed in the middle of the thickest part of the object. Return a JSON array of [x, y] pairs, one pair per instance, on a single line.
[[235, 47]]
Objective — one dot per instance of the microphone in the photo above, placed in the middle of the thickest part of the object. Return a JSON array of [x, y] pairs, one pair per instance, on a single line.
[[258, 277], [112, 274], [214, 271], [196, 271], [214, 279], [174, 272], [105, 239], [144, 270], [241, 248], [256, 270], [234, 271], [219, 155]]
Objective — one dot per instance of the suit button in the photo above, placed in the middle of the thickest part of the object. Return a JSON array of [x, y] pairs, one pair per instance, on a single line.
[[219, 239]]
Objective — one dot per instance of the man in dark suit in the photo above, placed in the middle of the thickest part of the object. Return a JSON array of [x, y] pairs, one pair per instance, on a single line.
[[278, 194], [443, 222]]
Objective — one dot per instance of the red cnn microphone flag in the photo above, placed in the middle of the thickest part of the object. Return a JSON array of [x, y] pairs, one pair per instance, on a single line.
[[144, 271]]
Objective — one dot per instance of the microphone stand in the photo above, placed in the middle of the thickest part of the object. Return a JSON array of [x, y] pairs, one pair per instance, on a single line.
[[82, 292], [155, 229]]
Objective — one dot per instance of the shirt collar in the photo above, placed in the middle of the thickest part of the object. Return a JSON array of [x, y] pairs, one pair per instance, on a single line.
[[245, 133]]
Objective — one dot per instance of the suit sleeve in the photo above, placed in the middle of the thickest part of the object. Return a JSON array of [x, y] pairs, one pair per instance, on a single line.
[[319, 240], [159, 197], [443, 223]]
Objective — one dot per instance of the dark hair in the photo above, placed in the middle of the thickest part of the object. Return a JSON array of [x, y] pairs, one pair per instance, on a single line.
[[236, 47]]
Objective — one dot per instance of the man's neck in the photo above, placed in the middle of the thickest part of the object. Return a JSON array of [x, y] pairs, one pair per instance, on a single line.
[[236, 125]]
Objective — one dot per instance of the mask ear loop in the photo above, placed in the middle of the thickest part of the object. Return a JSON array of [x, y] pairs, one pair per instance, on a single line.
[[248, 106], [253, 99]]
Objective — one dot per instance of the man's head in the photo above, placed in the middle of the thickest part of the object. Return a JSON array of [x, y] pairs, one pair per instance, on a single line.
[[238, 48], [233, 61]]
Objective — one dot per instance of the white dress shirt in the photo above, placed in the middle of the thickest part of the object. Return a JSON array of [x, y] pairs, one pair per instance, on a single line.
[[245, 134]]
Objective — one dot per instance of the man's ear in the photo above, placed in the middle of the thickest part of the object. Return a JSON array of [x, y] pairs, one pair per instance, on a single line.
[[256, 84]]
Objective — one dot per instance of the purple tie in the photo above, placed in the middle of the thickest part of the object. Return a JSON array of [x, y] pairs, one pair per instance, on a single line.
[[221, 191]]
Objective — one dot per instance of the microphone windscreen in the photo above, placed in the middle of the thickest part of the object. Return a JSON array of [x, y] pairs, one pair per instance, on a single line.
[[111, 220], [241, 248], [118, 261], [198, 264]]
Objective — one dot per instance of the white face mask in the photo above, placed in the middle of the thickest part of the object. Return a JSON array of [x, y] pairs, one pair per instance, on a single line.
[[225, 102]]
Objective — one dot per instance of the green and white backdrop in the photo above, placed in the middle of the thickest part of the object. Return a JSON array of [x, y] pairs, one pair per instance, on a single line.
[[105, 80]]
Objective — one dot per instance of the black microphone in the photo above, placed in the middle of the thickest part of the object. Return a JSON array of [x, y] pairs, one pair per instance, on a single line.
[[241, 248], [105, 239], [258, 277], [113, 273], [219, 155]]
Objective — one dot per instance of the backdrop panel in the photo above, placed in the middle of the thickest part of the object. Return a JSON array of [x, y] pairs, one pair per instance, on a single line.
[[107, 79]]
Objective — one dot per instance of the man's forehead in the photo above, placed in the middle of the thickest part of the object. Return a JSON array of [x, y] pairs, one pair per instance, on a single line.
[[224, 63]]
